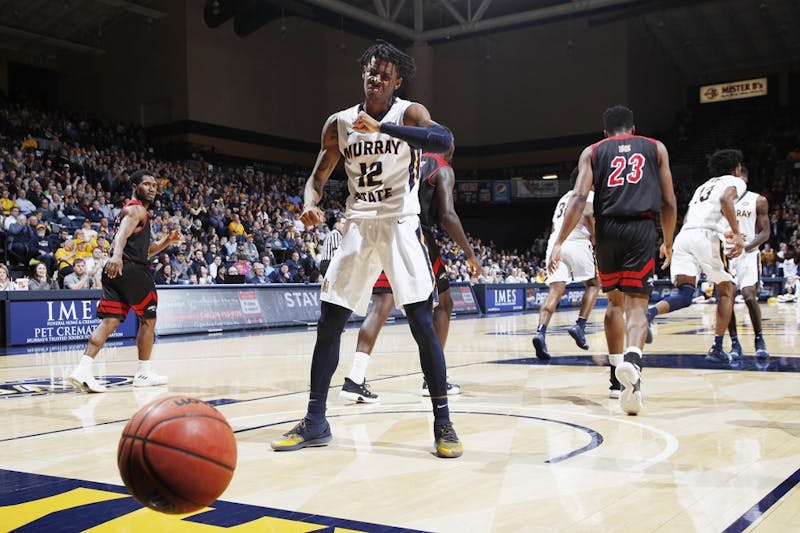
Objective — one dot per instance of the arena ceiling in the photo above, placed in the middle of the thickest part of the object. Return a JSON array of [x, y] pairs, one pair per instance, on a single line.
[[701, 36]]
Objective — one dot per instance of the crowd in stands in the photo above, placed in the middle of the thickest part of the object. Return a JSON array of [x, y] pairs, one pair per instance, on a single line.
[[64, 180]]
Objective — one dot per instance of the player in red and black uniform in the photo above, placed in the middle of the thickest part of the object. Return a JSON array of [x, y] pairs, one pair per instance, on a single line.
[[632, 185], [436, 206], [127, 284]]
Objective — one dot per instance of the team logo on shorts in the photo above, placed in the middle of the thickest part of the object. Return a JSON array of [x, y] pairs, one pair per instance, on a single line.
[[36, 387]]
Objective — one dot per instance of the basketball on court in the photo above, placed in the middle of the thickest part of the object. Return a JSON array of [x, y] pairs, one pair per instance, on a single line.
[[177, 455]]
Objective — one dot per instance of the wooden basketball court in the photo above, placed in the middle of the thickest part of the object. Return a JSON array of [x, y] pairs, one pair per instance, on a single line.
[[715, 449]]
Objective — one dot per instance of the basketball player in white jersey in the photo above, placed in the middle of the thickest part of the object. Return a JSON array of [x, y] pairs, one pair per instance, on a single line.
[[698, 248], [381, 140], [752, 212], [577, 264]]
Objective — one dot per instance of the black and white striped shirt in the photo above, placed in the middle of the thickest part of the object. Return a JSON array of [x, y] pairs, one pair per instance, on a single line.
[[330, 245]]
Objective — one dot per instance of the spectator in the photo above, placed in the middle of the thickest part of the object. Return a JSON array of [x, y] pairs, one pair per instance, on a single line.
[[215, 266], [249, 248], [241, 264], [20, 235], [768, 258], [11, 217], [41, 281], [281, 275], [203, 277], [258, 275], [165, 276], [80, 278], [5, 279], [26, 207], [6, 203], [181, 266], [39, 247]]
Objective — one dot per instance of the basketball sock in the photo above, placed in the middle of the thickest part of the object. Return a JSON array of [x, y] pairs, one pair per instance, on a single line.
[[581, 322], [759, 335], [331, 323], [441, 412], [359, 369], [718, 342], [615, 359], [542, 329], [85, 362], [144, 367], [431, 355], [734, 340]]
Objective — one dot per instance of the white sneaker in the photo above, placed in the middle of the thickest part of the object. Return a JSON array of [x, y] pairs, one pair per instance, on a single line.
[[785, 298], [84, 380], [151, 379], [630, 399]]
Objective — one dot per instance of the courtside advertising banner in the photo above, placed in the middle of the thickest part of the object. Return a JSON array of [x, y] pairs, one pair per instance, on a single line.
[[733, 90], [208, 310], [500, 299], [463, 299], [49, 321]]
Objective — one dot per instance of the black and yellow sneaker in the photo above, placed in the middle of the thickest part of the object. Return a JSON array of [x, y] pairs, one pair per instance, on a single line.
[[447, 443], [303, 435]]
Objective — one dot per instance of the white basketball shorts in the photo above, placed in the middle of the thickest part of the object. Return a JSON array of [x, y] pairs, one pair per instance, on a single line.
[[577, 261], [746, 268], [394, 245], [699, 251]]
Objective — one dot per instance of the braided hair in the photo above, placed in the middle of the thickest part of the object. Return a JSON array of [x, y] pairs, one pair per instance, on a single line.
[[383, 50]]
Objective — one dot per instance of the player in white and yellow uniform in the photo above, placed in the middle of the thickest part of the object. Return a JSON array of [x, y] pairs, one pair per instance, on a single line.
[[577, 264], [381, 140], [752, 212], [698, 248]]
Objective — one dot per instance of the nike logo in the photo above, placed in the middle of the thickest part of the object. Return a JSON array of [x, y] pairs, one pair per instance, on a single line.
[[400, 221], [422, 163], [441, 406]]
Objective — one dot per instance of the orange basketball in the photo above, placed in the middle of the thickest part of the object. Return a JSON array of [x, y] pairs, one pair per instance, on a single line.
[[177, 455]]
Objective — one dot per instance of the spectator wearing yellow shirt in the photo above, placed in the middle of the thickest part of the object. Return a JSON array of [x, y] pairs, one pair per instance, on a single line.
[[235, 227], [6, 203]]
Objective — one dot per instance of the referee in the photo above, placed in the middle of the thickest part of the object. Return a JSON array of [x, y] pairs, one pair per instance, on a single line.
[[332, 241]]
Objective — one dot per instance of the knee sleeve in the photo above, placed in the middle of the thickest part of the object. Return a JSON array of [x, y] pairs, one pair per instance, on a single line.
[[682, 299]]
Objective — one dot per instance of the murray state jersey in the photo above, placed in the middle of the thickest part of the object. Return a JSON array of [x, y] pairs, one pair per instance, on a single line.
[[705, 210], [746, 215], [382, 171], [580, 231], [626, 180]]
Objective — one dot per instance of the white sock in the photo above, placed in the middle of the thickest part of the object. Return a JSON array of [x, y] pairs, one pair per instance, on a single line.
[[85, 363], [359, 369], [634, 349], [615, 359], [144, 367]]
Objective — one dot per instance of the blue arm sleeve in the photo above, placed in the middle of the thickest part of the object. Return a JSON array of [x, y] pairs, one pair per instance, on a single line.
[[433, 138]]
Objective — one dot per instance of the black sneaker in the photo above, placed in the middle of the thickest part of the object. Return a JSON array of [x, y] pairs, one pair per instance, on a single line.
[[447, 443], [718, 355], [579, 336], [452, 389], [540, 346], [358, 393]]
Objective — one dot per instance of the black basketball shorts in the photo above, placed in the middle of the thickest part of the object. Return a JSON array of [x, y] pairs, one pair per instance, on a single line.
[[134, 288], [625, 254]]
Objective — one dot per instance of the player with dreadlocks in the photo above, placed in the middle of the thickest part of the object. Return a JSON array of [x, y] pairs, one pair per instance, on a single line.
[[381, 140]]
